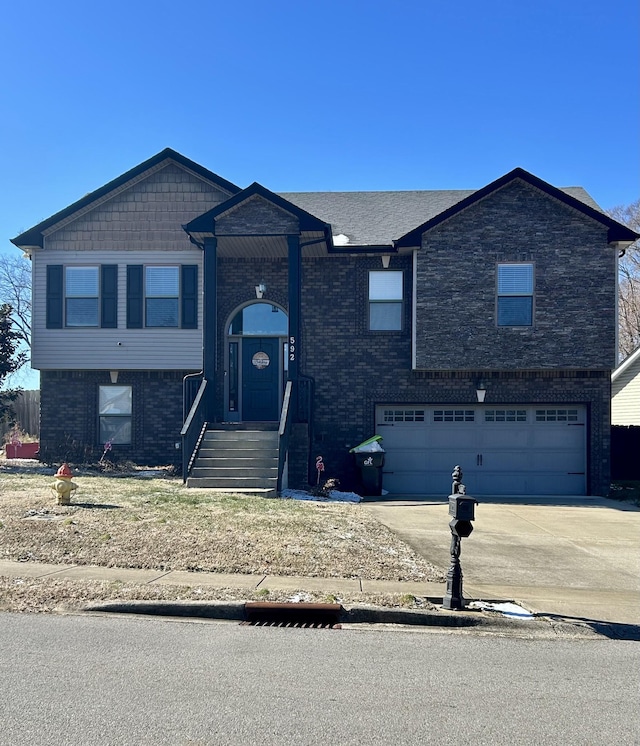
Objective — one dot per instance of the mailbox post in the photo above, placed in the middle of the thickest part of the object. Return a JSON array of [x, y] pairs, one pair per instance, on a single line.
[[462, 512]]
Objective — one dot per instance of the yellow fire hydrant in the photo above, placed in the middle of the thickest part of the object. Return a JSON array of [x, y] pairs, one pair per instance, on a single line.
[[63, 486]]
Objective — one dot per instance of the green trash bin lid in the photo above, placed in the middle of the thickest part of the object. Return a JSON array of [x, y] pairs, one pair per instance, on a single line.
[[368, 441]]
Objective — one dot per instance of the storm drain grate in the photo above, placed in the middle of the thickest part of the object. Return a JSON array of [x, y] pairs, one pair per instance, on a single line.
[[309, 616]]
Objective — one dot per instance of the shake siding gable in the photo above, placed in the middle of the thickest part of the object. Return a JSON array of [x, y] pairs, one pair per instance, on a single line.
[[148, 215]]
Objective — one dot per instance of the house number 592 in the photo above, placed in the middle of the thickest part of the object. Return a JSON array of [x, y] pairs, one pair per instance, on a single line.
[[292, 349]]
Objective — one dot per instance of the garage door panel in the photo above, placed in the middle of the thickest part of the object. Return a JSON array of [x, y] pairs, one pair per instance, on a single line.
[[411, 460], [403, 436], [505, 437], [556, 484], [565, 437], [509, 461], [498, 483], [557, 461], [502, 450]]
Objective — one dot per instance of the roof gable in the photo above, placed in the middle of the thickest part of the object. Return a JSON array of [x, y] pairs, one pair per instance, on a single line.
[[206, 223], [616, 231], [34, 236]]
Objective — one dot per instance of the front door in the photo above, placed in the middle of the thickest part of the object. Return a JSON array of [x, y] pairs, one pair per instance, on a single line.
[[260, 378]]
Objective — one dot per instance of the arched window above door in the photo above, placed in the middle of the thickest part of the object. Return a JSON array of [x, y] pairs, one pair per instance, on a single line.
[[260, 320]]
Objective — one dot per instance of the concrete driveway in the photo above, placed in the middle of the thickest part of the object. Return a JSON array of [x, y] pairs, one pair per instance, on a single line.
[[577, 557]]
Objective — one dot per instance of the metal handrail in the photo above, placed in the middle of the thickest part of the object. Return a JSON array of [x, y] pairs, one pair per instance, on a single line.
[[193, 431], [283, 432]]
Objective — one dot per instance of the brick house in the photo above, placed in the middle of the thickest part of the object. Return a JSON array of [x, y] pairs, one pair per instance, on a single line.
[[175, 312]]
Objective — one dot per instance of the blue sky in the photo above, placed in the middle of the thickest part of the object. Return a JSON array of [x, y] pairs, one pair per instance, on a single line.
[[331, 95]]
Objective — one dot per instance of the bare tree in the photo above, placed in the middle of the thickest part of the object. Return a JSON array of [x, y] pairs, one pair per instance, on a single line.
[[15, 291], [629, 282]]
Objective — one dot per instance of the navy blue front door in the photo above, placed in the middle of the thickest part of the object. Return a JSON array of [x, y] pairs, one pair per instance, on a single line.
[[260, 378]]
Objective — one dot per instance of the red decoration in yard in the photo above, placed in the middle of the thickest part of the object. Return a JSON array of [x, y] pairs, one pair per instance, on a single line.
[[319, 467]]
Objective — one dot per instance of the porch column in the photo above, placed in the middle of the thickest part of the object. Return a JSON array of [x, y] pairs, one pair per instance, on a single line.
[[209, 320], [295, 282]]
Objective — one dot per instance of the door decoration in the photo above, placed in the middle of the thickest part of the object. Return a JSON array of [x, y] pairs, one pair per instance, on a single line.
[[260, 360]]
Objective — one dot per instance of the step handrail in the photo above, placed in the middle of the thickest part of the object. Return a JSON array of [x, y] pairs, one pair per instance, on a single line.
[[283, 432], [193, 431]]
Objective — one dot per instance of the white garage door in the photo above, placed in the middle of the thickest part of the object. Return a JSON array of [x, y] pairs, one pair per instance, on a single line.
[[526, 450]]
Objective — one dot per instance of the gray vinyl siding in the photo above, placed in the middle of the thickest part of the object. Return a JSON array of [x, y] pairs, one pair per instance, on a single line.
[[113, 349]]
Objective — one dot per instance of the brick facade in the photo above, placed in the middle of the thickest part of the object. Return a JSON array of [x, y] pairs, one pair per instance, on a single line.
[[69, 415], [574, 293]]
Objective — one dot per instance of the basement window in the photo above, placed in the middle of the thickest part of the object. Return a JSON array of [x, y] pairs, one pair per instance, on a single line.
[[114, 414]]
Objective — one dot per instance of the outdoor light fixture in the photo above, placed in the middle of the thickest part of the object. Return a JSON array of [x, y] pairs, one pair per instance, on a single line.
[[261, 289], [386, 258], [481, 391], [113, 375]]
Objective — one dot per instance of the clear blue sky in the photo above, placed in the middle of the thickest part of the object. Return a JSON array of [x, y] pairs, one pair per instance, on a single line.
[[319, 95]]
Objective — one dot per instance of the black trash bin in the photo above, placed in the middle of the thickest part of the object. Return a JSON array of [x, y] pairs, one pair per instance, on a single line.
[[370, 465]]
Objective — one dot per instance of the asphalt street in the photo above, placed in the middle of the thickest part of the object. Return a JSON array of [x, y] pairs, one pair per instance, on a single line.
[[111, 680]]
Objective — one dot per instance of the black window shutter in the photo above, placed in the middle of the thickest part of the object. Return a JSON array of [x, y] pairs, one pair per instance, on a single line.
[[189, 295], [54, 296], [134, 296], [109, 296]]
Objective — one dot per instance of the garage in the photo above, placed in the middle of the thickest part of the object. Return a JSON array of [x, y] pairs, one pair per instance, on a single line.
[[503, 450]]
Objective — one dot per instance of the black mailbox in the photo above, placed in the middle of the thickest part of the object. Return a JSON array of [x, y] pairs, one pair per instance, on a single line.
[[462, 508]]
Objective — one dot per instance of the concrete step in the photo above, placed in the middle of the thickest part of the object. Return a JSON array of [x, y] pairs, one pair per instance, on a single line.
[[241, 436], [237, 484], [238, 453], [268, 461], [244, 461], [248, 472]]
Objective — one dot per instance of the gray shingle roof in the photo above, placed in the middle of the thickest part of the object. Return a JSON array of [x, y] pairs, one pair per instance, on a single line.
[[375, 218]]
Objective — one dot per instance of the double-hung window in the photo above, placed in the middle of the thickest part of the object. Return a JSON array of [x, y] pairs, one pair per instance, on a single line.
[[162, 296], [81, 296], [114, 413], [386, 300], [515, 294]]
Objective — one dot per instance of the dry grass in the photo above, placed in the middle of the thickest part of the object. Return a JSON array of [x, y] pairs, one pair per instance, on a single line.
[[157, 523]]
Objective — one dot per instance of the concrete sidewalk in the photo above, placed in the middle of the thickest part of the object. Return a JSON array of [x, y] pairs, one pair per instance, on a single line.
[[576, 557], [335, 586]]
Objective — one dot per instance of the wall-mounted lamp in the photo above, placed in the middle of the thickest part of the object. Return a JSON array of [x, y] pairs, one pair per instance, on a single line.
[[113, 375], [386, 258], [261, 289], [481, 391]]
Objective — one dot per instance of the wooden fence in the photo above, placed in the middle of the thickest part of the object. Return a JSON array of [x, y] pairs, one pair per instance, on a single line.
[[27, 412]]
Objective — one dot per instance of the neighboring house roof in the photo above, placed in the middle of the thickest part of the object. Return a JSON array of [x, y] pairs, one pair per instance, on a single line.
[[365, 219], [633, 360], [34, 236]]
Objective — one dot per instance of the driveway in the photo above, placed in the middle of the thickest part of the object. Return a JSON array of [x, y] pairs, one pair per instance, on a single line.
[[575, 557]]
